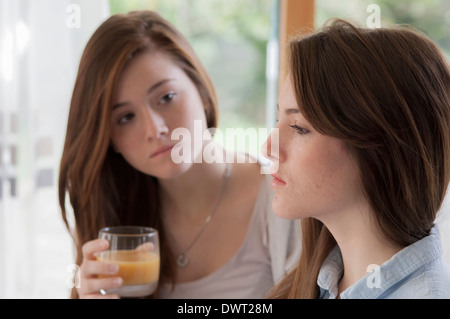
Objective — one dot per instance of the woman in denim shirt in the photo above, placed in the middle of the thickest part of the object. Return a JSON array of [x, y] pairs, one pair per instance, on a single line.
[[363, 159]]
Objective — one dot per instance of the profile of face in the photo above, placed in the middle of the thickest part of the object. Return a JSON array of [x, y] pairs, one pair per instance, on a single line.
[[317, 176], [154, 96]]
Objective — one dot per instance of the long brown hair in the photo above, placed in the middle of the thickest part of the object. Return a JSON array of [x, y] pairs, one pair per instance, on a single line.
[[386, 94], [104, 190]]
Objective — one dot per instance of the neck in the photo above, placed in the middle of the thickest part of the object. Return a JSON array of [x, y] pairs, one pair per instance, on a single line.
[[361, 242], [193, 193]]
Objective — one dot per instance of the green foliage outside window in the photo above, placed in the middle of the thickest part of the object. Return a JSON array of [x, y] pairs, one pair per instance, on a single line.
[[432, 17]]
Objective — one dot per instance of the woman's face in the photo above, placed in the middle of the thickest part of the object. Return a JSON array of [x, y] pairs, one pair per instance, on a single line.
[[153, 98], [316, 175]]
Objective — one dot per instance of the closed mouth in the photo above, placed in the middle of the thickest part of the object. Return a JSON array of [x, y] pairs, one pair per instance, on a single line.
[[278, 179], [162, 150]]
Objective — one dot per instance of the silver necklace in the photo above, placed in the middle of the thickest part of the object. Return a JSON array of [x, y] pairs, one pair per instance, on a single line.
[[182, 259]]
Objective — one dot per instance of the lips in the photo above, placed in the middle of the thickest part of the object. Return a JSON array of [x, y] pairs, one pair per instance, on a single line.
[[162, 150], [277, 180]]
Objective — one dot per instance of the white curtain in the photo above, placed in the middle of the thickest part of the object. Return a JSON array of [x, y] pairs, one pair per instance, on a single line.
[[41, 42]]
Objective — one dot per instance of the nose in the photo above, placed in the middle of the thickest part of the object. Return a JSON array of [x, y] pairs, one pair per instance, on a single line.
[[155, 125], [271, 147]]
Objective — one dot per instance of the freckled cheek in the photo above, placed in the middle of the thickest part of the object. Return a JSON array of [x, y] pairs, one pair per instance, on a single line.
[[321, 170]]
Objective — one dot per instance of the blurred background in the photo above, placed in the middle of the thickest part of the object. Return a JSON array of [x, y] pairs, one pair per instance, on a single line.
[[41, 42]]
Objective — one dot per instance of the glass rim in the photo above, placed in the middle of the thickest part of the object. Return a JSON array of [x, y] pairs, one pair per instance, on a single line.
[[128, 231]]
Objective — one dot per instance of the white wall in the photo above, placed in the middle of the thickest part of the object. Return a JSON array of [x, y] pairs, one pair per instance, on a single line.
[[41, 42]]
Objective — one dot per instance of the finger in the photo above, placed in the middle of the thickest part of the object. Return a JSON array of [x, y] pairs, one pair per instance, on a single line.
[[91, 248], [93, 286], [91, 268], [146, 247]]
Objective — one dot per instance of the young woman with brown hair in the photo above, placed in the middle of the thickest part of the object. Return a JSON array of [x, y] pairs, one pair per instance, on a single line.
[[364, 161], [138, 81]]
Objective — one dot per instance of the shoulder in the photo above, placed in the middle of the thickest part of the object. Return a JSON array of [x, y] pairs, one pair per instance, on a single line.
[[243, 192], [281, 237], [431, 282], [246, 165], [437, 278], [245, 175]]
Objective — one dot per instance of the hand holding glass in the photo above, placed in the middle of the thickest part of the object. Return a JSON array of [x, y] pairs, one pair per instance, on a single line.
[[136, 251]]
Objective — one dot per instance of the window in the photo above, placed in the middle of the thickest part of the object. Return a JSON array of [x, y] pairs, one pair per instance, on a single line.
[[430, 17]]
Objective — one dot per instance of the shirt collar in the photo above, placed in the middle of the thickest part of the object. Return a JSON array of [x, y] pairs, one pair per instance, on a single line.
[[330, 274], [376, 283]]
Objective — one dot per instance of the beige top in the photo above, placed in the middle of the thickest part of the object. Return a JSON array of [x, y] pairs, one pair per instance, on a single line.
[[271, 247]]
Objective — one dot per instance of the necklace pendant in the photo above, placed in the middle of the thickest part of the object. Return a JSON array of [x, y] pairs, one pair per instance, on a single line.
[[182, 260]]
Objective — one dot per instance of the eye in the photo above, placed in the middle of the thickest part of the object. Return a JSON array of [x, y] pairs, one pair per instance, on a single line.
[[126, 118], [167, 98], [299, 130]]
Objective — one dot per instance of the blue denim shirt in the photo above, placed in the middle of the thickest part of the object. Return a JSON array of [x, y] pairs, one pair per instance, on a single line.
[[417, 271]]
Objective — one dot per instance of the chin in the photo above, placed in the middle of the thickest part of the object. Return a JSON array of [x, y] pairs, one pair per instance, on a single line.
[[284, 212], [172, 171]]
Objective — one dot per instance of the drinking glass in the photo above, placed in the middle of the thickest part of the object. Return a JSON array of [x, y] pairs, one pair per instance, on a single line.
[[136, 251]]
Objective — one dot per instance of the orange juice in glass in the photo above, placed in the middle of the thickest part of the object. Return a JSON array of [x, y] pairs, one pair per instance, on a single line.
[[136, 251]]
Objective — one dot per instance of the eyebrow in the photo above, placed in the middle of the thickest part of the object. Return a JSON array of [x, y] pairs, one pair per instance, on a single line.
[[289, 111], [149, 91]]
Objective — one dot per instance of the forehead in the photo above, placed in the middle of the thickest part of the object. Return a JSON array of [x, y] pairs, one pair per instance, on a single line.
[[145, 70], [149, 64], [287, 97], [287, 101]]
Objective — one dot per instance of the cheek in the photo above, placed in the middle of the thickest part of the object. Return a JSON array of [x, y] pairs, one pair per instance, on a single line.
[[116, 141], [337, 182], [321, 169], [185, 115], [127, 140], [326, 179]]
